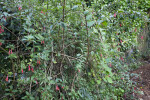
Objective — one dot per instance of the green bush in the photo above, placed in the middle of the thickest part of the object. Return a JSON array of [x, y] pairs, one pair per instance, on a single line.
[[62, 49]]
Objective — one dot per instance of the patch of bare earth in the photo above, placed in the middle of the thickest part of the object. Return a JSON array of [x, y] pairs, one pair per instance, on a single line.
[[143, 82]]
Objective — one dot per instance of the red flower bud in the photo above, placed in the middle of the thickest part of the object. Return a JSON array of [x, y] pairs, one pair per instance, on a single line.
[[36, 82], [6, 79], [62, 98], [62, 87], [1, 30], [29, 68], [142, 37], [134, 88], [110, 64], [120, 41], [122, 78], [118, 49], [4, 18], [19, 8], [32, 69], [122, 58], [22, 71], [135, 29], [0, 43], [42, 42], [101, 55], [78, 70], [120, 25], [114, 14], [38, 62], [11, 51], [43, 12]]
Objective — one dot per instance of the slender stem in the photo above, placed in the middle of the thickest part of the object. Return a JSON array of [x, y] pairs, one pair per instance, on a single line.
[[63, 21], [87, 33]]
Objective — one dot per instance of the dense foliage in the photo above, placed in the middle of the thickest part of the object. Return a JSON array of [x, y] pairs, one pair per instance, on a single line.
[[69, 49]]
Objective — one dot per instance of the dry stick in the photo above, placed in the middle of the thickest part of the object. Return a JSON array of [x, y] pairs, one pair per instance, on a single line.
[[63, 35], [87, 33], [73, 81], [4, 50]]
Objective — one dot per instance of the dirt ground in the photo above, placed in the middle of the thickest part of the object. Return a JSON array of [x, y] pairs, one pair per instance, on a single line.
[[143, 81]]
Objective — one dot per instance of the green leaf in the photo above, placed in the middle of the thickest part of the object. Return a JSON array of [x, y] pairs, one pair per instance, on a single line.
[[54, 61], [11, 56], [39, 37], [75, 6], [90, 23], [88, 17], [109, 79], [86, 12], [98, 81], [14, 91], [52, 82]]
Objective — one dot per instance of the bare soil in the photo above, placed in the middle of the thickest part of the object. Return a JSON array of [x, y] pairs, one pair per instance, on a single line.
[[143, 82]]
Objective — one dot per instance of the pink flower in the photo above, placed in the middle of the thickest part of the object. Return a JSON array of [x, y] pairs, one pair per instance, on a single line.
[[135, 29], [19, 8], [38, 62], [32, 69], [36, 82], [42, 42], [142, 37], [110, 64], [114, 14], [79, 70], [120, 25], [29, 68], [1, 30], [22, 71], [121, 58], [6, 79], [10, 51], [122, 78], [43, 12], [118, 49], [120, 41], [101, 55], [4, 18], [62, 87], [62, 98], [134, 88], [0, 43], [57, 88]]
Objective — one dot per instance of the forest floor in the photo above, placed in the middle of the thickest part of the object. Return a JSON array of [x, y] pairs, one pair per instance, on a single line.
[[143, 81]]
